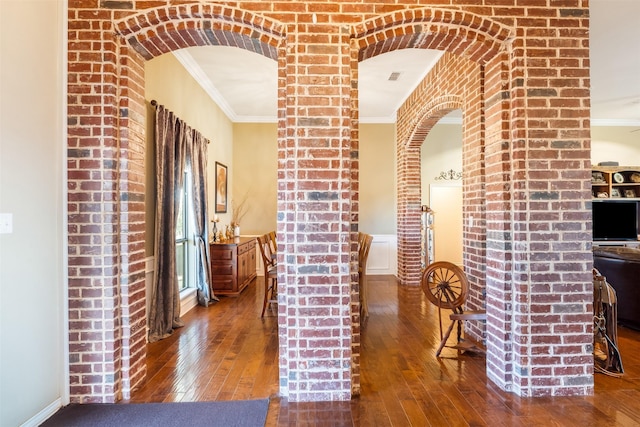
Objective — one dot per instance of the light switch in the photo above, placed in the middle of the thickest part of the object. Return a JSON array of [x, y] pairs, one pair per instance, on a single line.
[[6, 223]]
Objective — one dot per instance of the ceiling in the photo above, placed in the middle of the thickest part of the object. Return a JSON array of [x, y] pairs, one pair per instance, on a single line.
[[244, 84]]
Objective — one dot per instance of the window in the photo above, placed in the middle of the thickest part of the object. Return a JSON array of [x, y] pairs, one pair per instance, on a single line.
[[185, 246]]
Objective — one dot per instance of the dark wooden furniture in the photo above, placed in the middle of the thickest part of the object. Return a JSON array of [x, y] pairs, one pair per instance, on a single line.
[[233, 265]]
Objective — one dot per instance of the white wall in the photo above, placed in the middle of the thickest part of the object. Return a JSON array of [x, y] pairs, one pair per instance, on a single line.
[[620, 144], [33, 377], [441, 151]]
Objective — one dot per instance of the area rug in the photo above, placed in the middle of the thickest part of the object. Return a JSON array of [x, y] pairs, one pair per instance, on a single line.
[[245, 413]]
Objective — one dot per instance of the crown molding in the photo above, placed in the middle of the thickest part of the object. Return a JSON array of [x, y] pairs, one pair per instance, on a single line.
[[615, 122], [192, 67], [256, 119]]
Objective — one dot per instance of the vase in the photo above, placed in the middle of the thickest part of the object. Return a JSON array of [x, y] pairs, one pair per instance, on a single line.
[[236, 231]]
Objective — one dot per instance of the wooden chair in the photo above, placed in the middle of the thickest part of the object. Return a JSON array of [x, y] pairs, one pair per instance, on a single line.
[[446, 286], [364, 244], [273, 246], [270, 272]]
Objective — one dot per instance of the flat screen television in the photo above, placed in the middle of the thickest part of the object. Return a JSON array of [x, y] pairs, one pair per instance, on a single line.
[[615, 220]]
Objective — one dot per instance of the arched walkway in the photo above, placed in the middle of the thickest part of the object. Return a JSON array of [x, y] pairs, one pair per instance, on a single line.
[[483, 73]]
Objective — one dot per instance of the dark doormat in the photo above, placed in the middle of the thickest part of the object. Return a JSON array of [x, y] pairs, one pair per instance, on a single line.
[[245, 413]]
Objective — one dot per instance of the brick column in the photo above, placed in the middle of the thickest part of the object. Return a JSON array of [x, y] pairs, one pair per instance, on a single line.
[[356, 321], [409, 211], [499, 248], [95, 329], [314, 214], [132, 139], [539, 290]]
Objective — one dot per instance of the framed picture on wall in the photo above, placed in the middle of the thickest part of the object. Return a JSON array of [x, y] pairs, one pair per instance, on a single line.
[[221, 188]]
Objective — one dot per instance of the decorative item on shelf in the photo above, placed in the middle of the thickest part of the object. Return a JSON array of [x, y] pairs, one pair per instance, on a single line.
[[615, 192], [597, 178], [449, 175], [635, 177], [629, 193], [618, 177], [214, 232], [602, 195], [239, 211]]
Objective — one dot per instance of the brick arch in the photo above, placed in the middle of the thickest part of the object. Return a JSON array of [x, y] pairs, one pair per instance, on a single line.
[[165, 29], [475, 37], [473, 42], [475, 74], [116, 146], [429, 115], [473, 45]]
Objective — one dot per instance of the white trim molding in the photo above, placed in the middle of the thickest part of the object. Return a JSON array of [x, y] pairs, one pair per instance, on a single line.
[[44, 415], [383, 255]]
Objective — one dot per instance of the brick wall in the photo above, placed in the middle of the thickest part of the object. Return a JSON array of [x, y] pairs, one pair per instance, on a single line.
[[525, 171], [523, 87], [454, 83]]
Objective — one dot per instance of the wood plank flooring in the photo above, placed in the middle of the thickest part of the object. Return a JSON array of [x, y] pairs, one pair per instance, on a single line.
[[227, 352]]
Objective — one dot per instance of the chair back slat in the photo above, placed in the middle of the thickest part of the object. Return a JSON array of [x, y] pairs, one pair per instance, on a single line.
[[364, 244], [267, 246]]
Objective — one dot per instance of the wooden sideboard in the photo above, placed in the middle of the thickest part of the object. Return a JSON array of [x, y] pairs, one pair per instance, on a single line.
[[233, 265]]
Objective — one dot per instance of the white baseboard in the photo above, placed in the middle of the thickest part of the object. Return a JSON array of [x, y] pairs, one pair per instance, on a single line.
[[43, 415], [188, 300]]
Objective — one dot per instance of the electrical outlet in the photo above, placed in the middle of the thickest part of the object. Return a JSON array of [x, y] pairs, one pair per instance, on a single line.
[[6, 223]]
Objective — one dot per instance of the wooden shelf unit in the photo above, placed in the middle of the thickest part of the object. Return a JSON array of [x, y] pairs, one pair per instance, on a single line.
[[233, 265], [627, 189]]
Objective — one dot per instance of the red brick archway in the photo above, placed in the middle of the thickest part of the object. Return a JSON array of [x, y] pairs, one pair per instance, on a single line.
[[484, 69], [116, 149], [528, 122], [456, 82]]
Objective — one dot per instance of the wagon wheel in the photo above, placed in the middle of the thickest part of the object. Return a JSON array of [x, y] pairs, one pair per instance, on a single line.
[[445, 285]]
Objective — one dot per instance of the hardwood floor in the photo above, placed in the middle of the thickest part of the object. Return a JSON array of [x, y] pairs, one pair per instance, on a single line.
[[227, 352]]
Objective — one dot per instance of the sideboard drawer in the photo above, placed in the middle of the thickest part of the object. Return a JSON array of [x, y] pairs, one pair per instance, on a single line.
[[233, 265], [222, 269]]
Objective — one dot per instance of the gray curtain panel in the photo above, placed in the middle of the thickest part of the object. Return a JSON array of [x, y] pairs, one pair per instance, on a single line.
[[198, 161], [177, 147], [170, 140]]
